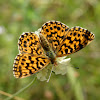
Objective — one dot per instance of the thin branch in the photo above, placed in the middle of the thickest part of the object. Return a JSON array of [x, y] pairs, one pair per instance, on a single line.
[[9, 95], [21, 89]]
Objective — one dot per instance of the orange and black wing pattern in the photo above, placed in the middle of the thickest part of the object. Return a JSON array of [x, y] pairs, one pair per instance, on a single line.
[[27, 64], [54, 32], [29, 43], [31, 58], [76, 39], [60, 41]]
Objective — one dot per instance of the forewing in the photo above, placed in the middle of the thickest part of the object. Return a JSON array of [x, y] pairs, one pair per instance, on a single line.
[[27, 64], [76, 39], [54, 32], [29, 43]]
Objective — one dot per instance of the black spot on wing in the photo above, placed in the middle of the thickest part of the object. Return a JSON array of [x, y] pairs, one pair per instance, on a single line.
[[41, 64], [74, 34], [81, 46], [51, 28], [20, 70], [66, 51], [69, 38], [30, 71], [47, 30], [58, 28]]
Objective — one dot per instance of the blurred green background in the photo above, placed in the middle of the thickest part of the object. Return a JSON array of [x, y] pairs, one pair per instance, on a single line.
[[17, 16]]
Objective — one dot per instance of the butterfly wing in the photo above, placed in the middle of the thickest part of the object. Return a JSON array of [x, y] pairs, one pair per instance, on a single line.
[[29, 43], [27, 64], [76, 39], [54, 32], [31, 58]]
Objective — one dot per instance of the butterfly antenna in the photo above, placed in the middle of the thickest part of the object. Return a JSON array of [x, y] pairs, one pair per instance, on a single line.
[[50, 74]]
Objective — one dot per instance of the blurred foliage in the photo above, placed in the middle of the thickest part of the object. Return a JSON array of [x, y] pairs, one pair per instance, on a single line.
[[17, 16]]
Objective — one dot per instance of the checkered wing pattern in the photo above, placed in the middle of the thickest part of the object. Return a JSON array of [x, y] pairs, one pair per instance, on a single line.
[[54, 32], [76, 39], [31, 58]]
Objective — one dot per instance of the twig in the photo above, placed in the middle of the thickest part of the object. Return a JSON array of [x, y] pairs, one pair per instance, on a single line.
[[21, 89], [9, 95]]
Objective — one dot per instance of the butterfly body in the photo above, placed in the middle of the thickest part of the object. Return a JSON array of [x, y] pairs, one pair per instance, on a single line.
[[55, 39], [48, 50]]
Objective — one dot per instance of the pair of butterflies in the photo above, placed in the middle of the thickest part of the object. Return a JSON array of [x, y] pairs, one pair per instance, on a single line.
[[55, 39]]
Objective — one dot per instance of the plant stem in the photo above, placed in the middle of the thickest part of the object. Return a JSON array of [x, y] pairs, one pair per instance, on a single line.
[[22, 89], [75, 84]]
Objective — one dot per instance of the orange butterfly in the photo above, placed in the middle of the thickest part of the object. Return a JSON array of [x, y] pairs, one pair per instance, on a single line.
[[55, 40]]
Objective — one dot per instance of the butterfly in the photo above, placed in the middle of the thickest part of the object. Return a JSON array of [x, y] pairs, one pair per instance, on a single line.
[[55, 39]]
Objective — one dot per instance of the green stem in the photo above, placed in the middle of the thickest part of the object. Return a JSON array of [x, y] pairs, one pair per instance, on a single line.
[[22, 89], [75, 84], [60, 93]]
